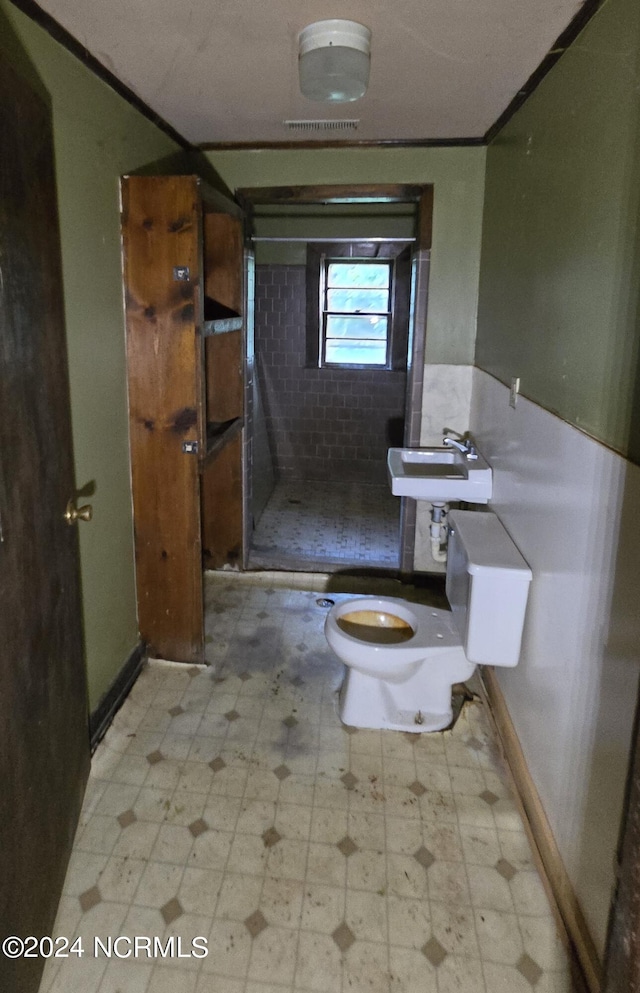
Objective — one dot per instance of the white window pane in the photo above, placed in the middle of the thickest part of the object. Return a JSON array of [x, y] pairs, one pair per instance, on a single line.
[[359, 300], [341, 351], [354, 274], [356, 316], [359, 328]]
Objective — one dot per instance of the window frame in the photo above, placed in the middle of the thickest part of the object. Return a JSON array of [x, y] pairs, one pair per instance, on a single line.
[[325, 312], [398, 255]]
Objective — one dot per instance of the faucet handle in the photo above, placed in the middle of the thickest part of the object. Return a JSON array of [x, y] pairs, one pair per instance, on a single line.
[[472, 451], [466, 446]]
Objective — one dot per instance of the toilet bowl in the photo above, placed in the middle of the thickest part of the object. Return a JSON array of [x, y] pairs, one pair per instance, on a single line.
[[401, 659], [404, 685]]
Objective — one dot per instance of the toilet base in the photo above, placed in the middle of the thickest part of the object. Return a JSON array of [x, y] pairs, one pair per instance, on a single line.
[[415, 722], [417, 705]]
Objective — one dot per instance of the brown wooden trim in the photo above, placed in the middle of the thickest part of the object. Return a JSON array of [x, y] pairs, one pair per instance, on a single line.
[[352, 193], [566, 38], [44, 20], [425, 219], [622, 958], [101, 718], [284, 146], [554, 875]]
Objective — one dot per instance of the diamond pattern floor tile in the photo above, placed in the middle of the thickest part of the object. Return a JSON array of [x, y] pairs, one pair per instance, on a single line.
[[311, 856]]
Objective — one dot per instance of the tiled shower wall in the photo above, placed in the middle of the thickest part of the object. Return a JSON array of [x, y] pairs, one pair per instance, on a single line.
[[330, 424]]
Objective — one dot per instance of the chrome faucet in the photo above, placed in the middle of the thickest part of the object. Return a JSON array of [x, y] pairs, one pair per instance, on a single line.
[[466, 446]]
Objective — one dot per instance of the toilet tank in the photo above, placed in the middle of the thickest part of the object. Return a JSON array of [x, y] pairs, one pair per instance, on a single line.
[[487, 587]]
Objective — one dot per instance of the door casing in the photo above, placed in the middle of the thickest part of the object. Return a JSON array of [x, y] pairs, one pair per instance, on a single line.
[[422, 196]]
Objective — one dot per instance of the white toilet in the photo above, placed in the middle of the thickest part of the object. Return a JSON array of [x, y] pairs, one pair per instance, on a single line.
[[403, 658]]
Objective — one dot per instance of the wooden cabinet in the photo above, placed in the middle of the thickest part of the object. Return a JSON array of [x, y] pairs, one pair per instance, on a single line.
[[183, 287]]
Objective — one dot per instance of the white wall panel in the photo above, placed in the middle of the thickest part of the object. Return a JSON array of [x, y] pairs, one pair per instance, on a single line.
[[572, 506]]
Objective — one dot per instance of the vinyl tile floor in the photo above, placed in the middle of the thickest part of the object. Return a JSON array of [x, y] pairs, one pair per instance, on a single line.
[[327, 526], [227, 803]]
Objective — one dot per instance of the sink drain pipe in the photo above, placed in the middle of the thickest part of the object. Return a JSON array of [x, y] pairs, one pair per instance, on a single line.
[[438, 531]]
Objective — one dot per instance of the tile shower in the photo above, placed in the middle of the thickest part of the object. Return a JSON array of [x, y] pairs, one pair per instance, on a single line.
[[330, 427], [330, 424], [328, 527]]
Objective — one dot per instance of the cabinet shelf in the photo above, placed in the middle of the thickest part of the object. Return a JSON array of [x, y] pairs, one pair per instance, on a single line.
[[219, 435], [223, 325], [216, 311], [219, 319]]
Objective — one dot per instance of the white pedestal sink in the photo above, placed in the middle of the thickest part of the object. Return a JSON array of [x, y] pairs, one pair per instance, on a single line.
[[439, 475]]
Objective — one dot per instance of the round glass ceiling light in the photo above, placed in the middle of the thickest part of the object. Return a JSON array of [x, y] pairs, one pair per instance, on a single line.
[[334, 61]]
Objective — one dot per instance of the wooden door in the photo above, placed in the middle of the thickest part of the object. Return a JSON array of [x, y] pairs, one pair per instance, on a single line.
[[44, 739]]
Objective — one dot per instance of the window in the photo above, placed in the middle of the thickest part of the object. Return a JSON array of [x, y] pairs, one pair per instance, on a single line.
[[357, 305], [356, 313]]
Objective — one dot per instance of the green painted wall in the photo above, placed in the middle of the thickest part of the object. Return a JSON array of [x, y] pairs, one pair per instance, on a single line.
[[458, 178], [357, 221], [560, 273], [97, 138]]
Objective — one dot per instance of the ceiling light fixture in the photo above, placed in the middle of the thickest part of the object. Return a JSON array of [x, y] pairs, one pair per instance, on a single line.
[[334, 60]]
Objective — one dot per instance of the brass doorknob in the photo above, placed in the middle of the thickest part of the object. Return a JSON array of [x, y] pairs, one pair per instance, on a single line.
[[73, 513]]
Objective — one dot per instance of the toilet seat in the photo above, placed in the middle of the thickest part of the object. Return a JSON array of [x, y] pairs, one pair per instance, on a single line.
[[431, 625], [434, 634]]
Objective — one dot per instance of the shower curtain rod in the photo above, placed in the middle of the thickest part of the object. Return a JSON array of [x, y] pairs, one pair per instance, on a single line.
[[346, 241]]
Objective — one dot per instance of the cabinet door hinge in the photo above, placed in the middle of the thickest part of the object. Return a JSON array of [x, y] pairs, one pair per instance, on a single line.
[[190, 447]]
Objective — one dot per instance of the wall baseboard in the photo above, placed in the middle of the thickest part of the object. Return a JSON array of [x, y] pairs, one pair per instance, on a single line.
[[553, 872], [101, 718]]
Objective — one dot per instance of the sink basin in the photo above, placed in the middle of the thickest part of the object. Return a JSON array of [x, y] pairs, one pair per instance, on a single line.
[[438, 475]]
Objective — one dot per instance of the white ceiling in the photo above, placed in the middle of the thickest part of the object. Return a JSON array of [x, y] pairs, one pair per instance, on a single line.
[[226, 70]]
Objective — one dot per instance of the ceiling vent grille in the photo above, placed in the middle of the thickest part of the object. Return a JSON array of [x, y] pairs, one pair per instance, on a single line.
[[344, 125]]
